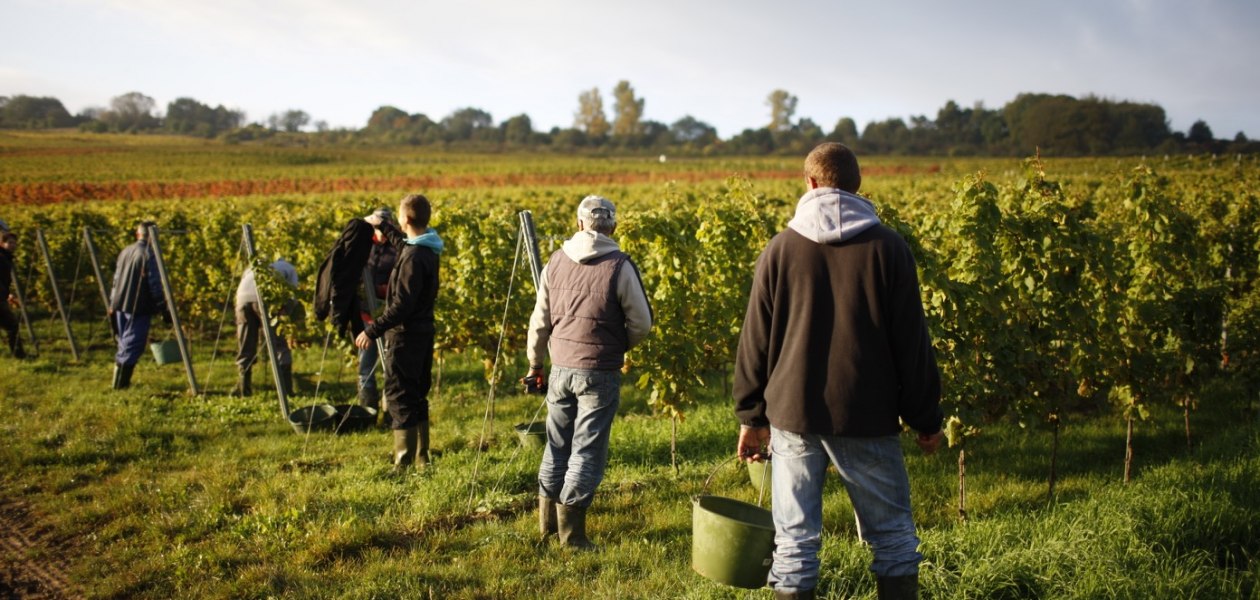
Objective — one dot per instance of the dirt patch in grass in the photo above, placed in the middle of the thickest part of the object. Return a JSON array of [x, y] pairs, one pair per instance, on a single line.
[[32, 559]]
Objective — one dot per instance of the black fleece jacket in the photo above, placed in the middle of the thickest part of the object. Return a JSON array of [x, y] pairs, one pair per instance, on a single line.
[[835, 341], [340, 276], [6, 273]]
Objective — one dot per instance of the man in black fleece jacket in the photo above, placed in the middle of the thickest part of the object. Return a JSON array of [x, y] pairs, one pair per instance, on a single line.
[[8, 321], [833, 353], [407, 325]]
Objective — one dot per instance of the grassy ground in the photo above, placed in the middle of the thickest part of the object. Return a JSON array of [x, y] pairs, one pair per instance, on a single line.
[[153, 493]]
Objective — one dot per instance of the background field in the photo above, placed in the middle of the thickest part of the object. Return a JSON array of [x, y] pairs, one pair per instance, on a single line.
[[153, 492]]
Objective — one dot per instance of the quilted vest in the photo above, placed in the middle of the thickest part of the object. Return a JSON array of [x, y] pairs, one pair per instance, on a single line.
[[588, 325]]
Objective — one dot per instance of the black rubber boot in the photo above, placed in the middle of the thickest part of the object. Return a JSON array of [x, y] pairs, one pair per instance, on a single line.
[[286, 379], [369, 397], [547, 526], [122, 376], [405, 442], [571, 526], [245, 383], [904, 587], [422, 444]]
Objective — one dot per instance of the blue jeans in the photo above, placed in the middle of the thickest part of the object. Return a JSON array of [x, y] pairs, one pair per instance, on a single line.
[[367, 367], [874, 474], [133, 336], [581, 405]]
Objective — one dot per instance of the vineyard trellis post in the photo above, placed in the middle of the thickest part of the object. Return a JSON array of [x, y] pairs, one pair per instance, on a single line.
[[180, 340], [268, 334], [531, 245], [26, 317], [42, 242], [94, 257]]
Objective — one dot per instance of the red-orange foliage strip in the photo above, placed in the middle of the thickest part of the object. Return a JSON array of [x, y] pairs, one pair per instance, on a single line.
[[59, 192]]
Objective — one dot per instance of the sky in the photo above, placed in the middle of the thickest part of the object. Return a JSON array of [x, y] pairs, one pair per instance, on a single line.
[[717, 60]]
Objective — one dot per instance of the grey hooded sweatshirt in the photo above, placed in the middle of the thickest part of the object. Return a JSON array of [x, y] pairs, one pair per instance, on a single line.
[[834, 340], [600, 319]]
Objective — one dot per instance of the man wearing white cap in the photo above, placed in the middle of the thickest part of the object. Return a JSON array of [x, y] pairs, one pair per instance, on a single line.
[[591, 309]]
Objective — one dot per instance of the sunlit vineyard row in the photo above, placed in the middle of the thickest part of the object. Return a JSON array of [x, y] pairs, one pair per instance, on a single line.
[[1050, 286]]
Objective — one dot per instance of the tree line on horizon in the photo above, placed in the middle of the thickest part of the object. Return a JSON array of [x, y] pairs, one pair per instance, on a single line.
[[1051, 124]]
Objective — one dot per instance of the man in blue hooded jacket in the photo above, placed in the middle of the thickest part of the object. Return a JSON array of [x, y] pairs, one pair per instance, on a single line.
[[408, 326]]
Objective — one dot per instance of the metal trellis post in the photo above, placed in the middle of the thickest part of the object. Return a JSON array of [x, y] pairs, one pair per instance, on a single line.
[[56, 291], [94, 256], [170, 306], [248, 232]]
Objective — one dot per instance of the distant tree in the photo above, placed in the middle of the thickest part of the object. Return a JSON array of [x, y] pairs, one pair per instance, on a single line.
[[189, 117], [752, 141], [689, 130], [1138, 127], [568, 139], [321, 126], [957, 129], [886, 137], [518, 129], [132, 111], [1241, 138], [29, 112], [845, 132], [294, 120], [590, 116], [653, 134], [782, 108], [467, 124], [994, 134], [1200, 133], [799, 138], [388, 118], [1061, 125], [627, 109]]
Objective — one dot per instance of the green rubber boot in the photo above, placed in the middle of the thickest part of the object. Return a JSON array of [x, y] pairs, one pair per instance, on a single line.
[[904, 587], [405, 441], [547, 524], [571, 526]]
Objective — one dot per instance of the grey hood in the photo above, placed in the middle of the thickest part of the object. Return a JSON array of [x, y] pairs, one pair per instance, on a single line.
[[828, 215], [587, 245]]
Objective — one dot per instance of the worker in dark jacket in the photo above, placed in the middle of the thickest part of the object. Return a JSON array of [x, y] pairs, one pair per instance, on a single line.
[[135, 297], [834, 351], [408, 327], [380, 265], [9, 322]]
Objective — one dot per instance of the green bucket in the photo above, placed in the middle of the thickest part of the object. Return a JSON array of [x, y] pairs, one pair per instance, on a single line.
[[759, 476], [533, 435], [731, 541], [165, 352], [317, 417], [352, 417]]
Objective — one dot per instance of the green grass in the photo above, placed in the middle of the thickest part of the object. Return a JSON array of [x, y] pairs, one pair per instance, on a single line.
[[161, 494]]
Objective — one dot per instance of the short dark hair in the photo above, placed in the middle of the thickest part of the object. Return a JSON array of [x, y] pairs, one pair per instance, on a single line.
[[834, 165], [142, 228], [415, 209], [7, 236]]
